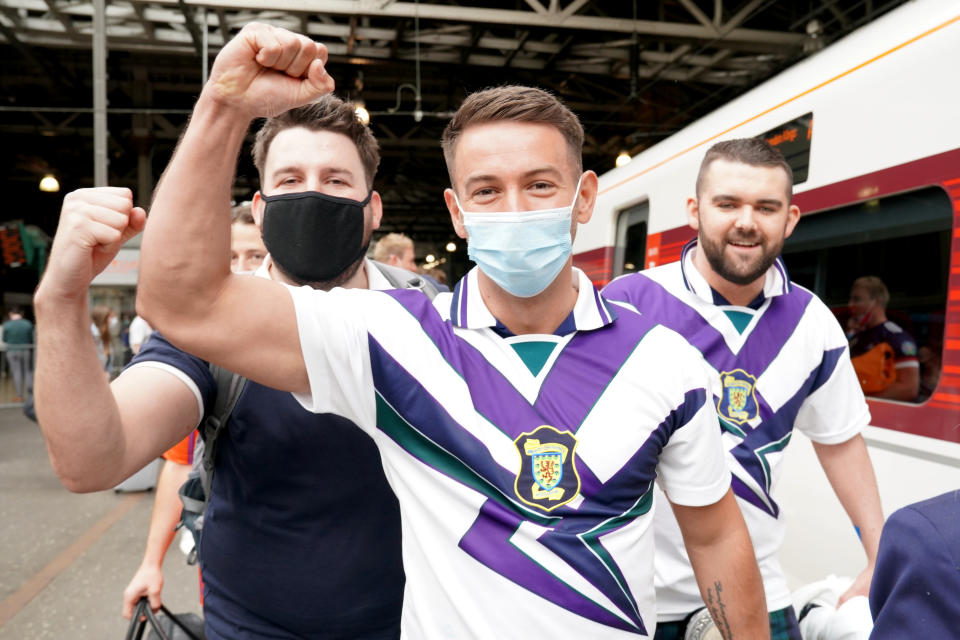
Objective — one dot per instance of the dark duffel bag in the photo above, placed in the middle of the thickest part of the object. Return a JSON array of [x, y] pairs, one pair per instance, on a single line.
[[165, 626]]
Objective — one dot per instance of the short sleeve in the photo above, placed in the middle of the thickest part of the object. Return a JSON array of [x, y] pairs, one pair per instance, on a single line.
[[193, 372], [835, 410], [693, 468], [336, 350]]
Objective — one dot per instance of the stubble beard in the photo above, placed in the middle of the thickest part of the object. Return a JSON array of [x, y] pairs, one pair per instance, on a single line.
[[735, 271]]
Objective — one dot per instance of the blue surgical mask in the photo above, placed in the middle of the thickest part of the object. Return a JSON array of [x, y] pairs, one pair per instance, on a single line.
[[522, 251]]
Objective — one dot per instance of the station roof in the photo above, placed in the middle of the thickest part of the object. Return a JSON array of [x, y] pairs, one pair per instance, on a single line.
[[634, 71]]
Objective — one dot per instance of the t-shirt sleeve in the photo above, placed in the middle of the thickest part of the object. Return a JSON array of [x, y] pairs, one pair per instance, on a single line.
[[336, 350], [693, 468], [193, 372], [835, 410]]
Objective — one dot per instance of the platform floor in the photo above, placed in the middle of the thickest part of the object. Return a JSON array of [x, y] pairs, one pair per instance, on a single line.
[[65, 558]]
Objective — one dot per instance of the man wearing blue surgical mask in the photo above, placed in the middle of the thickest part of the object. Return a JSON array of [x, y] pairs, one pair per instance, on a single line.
[[522, 419]]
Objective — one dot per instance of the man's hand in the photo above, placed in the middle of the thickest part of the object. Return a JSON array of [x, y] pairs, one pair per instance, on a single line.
[[266, 70], [94, 224], [860, 586], [147, 581]]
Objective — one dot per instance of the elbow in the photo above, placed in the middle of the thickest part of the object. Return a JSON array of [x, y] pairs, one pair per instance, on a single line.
[[79, 481]]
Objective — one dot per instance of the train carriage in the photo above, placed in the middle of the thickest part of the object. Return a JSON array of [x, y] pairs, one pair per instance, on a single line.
[[871, 128]]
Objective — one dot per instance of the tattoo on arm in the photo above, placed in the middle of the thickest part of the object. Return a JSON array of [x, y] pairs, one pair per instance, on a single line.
[[718, 609]]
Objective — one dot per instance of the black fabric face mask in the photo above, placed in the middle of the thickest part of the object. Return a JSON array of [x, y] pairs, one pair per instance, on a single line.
[[312, 236]]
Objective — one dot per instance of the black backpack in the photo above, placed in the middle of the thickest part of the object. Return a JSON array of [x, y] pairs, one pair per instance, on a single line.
[[195, 492]]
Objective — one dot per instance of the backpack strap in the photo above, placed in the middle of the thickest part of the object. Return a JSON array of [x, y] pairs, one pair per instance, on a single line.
[[403, 279], [229, 387]]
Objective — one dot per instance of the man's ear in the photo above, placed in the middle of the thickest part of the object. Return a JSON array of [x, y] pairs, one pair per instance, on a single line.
[[587, 198], [693, 213], [376, 210], [793, 217], [256, 208], [456, 216]]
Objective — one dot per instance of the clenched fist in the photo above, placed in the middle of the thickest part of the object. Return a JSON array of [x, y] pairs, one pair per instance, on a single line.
[[266, 70]]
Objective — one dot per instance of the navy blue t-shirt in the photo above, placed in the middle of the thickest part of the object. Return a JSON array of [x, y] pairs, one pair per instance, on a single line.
[[302, 534]]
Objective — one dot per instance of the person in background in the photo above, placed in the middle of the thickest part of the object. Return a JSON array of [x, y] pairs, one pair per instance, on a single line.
[[18, 336], [397, 250], [884, 355], [929, 359], [138, 333], [104, 325], [247, 251], [247, 254]]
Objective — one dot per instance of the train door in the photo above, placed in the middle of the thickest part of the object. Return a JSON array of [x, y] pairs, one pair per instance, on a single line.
[[630, 248]]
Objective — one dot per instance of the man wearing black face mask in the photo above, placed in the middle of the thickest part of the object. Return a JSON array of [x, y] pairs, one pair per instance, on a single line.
[[302, 534]]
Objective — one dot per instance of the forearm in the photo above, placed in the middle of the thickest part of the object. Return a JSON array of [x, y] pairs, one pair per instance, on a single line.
[[76, 410], [725, 566], [850, 472], [166, 513], [186, 246]]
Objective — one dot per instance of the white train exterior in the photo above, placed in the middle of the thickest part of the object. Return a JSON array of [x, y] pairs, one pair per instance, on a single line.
[[873, 121]]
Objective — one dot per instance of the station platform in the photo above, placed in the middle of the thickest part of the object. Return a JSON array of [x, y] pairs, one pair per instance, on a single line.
[[65, 558]]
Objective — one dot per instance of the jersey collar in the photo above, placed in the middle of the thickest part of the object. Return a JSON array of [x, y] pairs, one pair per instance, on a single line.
[[468, 311], [776, 283]]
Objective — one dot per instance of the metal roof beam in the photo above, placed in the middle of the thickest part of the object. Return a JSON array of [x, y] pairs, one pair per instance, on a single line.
[[516, 18]]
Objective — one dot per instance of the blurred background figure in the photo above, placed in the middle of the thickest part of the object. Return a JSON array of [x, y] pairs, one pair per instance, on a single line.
[[929, 359], [104, 327], [247, 251], [397, 250], [884, 355], [18, 338]]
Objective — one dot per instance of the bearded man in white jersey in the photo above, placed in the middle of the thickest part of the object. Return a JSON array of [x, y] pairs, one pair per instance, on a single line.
[[779, 361]]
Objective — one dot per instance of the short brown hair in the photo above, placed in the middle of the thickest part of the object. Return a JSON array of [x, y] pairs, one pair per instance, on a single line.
[[392, 244], [756, 152], [242, 214], [875, 289], [328, 113], [514, 103]]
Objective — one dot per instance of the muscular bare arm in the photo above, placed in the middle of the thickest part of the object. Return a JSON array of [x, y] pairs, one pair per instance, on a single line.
[[186, 289], [851, 475], [724, 563], [96, 434]]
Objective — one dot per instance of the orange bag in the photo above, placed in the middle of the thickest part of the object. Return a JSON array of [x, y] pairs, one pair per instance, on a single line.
[[875, 369]]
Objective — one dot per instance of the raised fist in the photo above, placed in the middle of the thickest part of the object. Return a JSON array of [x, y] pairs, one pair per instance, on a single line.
[[94, 224], [266, 70]]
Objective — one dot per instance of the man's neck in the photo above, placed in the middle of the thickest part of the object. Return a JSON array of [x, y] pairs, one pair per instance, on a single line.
[[542, 313], [740, 295]]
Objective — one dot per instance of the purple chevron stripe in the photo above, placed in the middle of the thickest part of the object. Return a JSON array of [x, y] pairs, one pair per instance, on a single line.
[[763, 344], [585, 367], [488, 542], [745, 493]]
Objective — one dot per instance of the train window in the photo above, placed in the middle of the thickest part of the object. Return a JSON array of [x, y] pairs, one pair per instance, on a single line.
[[793, 140], [631, 247], [904, 240]]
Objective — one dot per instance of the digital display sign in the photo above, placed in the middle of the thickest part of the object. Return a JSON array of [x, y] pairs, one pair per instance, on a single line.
[[793, 141]]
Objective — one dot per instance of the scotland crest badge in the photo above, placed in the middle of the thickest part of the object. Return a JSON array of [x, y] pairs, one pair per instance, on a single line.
[[738, 400], [548, 477]]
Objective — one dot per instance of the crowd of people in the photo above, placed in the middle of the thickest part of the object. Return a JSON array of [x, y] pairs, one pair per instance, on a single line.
[[406, 459]]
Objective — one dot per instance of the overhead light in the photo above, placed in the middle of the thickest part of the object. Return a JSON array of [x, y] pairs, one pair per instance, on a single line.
[[623, 159], [362, 114], [49, 184], [430, 258], [451, 247]]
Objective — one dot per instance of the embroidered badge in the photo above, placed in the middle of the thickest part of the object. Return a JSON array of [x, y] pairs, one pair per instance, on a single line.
[[738, 402], [547, 478]]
